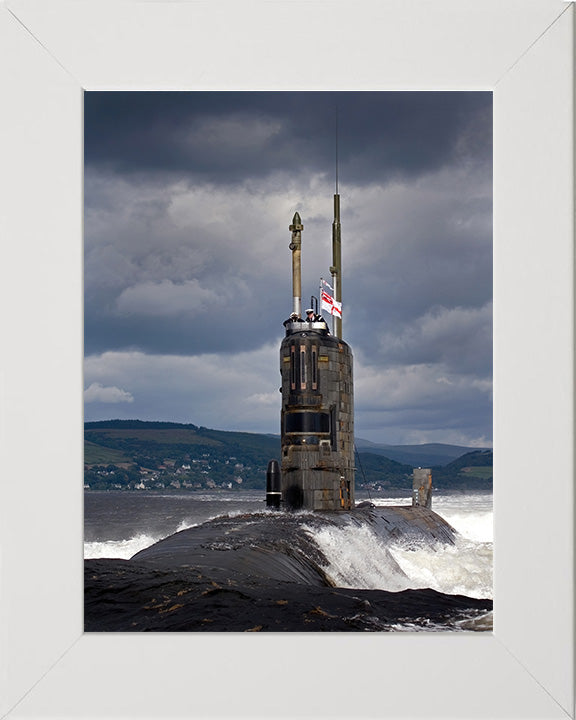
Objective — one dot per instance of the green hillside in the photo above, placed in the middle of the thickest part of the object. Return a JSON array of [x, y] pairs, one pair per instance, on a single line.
[[129, 454], [98, 454], [161, 455], [376, 471], [473, 471]]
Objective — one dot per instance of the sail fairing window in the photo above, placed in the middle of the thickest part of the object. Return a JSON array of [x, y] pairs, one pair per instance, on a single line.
[[307, 422], [303, 379], [314, 368], [292, 367]]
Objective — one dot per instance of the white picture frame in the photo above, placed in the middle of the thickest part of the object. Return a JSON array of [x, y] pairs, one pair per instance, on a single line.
[[53, 50]]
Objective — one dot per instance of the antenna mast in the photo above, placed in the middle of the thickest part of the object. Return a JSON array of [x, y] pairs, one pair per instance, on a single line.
[[296, 247], [336, 149], [336, 269]]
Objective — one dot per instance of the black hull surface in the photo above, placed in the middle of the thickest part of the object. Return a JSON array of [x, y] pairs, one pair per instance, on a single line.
[[280, 546]]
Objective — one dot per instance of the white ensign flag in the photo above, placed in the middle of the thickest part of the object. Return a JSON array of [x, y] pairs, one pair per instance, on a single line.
[[330, 305]]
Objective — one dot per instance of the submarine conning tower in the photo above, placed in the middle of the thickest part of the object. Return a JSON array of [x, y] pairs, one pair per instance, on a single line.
[[317, 419]]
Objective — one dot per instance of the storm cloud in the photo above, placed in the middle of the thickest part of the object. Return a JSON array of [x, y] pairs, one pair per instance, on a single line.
[[227, 137]]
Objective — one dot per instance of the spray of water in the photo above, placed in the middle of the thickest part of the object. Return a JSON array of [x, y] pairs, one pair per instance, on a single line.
[[357, 558], [123, 549], [461, 569]]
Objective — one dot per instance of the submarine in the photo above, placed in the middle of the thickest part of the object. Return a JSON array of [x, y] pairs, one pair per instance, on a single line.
[[266, 569]]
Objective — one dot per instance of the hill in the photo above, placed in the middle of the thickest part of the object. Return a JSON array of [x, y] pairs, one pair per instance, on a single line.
[[175, 455], [135, 454], [424, 455], [472, 471]]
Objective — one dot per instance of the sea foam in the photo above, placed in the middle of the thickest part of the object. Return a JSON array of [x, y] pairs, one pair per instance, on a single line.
[[122, 549], [358, 558]]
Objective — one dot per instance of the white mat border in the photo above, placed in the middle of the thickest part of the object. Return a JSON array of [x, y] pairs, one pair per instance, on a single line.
[[52, 50]]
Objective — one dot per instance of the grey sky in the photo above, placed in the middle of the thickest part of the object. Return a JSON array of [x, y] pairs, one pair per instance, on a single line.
[[188, 199]]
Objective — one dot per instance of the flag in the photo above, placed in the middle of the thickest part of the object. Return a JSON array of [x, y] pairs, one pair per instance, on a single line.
[[327, 284], [326, 302], [330, 305]]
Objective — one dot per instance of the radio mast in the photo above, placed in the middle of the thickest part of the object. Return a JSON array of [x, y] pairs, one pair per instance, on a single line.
[[336, 268]]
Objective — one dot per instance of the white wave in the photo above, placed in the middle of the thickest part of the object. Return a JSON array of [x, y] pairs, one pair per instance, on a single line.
[[123, 549], [471, 515], [357, 558], [477, 526], [461, 569]]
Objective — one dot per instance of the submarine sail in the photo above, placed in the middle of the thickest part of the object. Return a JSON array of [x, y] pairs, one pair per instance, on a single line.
[[317, 417]]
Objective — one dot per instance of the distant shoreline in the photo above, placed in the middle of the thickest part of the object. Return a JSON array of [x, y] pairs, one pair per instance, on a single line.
[[142, 455]]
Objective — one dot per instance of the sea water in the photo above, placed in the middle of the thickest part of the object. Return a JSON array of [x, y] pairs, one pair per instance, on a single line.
[[119, 524]]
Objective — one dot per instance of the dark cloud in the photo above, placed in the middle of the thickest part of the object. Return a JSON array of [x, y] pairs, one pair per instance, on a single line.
[[380, 135]]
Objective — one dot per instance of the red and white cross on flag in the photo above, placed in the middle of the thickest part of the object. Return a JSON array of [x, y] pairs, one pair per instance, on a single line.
[[330, 305], [326, 302]]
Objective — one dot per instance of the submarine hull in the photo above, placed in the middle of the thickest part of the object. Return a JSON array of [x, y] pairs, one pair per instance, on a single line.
[[264, 572], [281, 546]]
